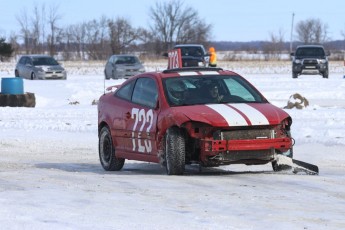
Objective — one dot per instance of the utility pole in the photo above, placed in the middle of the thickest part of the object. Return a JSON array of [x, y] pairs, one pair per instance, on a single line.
[[293, 15]]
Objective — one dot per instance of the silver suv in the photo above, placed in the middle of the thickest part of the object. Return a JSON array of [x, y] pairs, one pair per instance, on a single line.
[[310, 59], [38, 66], [123, 66]]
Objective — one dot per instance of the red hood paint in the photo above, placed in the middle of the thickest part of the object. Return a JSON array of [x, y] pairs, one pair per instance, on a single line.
[[205, 114]]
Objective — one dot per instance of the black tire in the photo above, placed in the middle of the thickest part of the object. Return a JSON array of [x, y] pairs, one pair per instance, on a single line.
[[16, 73], [107, 156], [325, 74], [175, 151], [33, 76], [294, 75]]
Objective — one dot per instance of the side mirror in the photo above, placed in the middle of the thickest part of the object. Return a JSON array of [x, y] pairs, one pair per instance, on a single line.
[[292, 54], [328, 53], [165, 55]]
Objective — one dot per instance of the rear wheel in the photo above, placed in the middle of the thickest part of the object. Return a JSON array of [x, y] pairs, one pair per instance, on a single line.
[[294, 75], [175, 151], [16, 73], [107, 156], [33, 76]]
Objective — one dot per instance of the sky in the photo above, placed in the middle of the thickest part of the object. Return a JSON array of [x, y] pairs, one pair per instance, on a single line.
[[51, 177], [231, 20]]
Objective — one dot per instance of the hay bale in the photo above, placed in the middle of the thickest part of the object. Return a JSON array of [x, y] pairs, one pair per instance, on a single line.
[[19, 100]]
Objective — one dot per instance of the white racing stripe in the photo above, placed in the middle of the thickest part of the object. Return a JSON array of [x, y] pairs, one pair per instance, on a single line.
[[209, 73], [255, 116], [188, 73], [232, 117]]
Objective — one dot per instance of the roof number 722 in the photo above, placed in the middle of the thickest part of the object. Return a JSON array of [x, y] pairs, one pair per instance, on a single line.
[[144, 118]]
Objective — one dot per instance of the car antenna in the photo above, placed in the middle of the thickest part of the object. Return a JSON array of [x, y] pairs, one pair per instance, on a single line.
[[104, 85]]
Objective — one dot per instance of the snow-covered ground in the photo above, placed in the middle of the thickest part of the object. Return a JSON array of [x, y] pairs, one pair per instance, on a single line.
[[51, 178]]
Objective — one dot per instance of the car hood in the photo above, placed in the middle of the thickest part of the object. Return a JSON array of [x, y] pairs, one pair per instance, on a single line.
[[234, 114], [50, 67], [129, 66]]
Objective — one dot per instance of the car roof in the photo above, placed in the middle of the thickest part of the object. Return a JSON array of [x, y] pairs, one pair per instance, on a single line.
[[191, 71], [189, 45], [124, 55], [35, 55], [309, 46]]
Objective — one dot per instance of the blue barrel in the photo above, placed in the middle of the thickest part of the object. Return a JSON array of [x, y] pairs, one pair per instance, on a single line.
[[12, 85]]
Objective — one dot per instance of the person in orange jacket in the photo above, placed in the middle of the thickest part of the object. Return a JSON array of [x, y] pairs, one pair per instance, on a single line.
[[213, 57]]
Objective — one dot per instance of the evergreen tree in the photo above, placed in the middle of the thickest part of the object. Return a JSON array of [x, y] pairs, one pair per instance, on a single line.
[[6, 49]]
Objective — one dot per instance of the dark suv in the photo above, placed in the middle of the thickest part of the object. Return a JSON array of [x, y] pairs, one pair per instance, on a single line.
[[193, 55], [310, 59]]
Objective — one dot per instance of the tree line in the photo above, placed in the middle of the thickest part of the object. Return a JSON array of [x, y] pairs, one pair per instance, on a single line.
[[171, 23]]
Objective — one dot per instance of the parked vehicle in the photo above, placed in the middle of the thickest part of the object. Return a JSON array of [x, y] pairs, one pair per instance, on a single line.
[[193, 55], [37, 66], [205, 116], [310, 59], [123, 66]]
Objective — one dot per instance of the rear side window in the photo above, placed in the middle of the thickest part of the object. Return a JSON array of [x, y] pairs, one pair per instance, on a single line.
[[145, 92], [22, 60], [126, 91]]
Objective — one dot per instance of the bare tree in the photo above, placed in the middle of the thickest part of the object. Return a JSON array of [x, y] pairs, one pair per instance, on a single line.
[[23, 20], [194, 32], [75, 39], [274, 48], [37, 24], [312, 31], [172, 22], [122, 35], [53, 17]]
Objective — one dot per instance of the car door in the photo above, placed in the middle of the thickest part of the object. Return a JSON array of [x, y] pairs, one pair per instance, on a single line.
[[22, 69], [27, 70], [141, 118], [109, 67]]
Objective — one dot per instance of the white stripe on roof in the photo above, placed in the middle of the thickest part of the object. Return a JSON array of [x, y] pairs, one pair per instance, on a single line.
[[187, 73], [209, 72]]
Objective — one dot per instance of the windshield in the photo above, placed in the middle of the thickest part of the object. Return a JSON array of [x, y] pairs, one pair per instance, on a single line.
[[44, 61], [191, 51], [127, 60], [210, 90], [310, 52]]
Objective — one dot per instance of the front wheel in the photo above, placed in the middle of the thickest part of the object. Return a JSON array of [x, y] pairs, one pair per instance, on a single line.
[[33, 76], [175, 151], [325, 74], [107, 156]]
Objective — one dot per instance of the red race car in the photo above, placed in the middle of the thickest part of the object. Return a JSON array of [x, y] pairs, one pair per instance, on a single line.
[[205, 116]]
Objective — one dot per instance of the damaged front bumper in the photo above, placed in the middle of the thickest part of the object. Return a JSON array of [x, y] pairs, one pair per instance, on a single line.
[[258, 151]]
